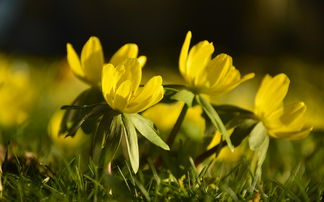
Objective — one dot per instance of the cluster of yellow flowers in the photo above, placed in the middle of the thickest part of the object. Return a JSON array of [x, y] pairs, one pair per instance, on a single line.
[[206, 77], [14, 82]]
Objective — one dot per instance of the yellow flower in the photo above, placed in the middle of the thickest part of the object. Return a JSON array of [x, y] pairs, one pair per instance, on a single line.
[[171, 112], [120, 87], [60, 139], [281, 121], [225, 153], [89, 67], [16, 95], [206, 75]]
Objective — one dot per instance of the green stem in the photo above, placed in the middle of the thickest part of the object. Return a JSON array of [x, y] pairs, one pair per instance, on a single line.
[[214, 150], [177, 125], [102, 161], [92, 146], [174, 132]]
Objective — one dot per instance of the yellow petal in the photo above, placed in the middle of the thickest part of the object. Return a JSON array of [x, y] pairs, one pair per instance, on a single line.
[[226, 155], [218, 68], [248, 77], [150, 101], [129, 50], [293, 113], [170, 113], [142, 60], [73, 60], [198, 58], [122, 96], [108, 82], [288, 118], [271, 94], [133, 73], [92, 59], [292, 135], [232, 82], [215, 141], [238, 81], [147, 96], [60, 139], [120, 84], [120, 75], [184, 54], [231, 78], [223, 76]]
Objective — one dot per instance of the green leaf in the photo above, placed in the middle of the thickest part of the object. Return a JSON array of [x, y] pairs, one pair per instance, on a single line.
[[67, 107], [242, 131], [215, 119], [174, 86], [145, 127], [261, 153], [232, 109], [257, 136], [102, 129], [95, 112], [89, 126], [82, 105], [168, 93], [233, 116], [130, 135], [112, 138], [185, 96]]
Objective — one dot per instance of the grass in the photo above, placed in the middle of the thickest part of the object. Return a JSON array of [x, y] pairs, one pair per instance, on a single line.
[[27, 180], [293, 171]]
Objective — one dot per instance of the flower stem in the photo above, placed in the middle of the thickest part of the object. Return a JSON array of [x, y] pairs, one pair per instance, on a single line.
[[177, 125], [199, 159], [174, 132]]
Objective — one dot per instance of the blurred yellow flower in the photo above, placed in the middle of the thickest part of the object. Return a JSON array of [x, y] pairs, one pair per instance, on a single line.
[[120, 87], [170, 114], [205, 75], [281, 121], [225, 153], [60, 139], [89, 66], [16, 95]]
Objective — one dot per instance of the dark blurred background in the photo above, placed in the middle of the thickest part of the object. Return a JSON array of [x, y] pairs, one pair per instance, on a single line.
[[265, 28]]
